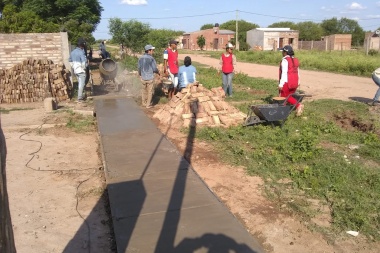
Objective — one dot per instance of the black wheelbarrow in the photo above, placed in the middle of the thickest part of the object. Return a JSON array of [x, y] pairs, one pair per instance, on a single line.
[[272, 113]]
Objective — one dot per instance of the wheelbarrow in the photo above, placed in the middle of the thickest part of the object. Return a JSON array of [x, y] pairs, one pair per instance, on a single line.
[[108, 72], [272, 113]]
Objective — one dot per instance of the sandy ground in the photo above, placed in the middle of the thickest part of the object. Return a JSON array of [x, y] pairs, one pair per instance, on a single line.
[[56, 183], [318, 84]]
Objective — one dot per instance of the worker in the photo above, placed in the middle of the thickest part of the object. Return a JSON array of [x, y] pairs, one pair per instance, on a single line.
[[227, 65], [376, 80], [289, 77], [146, 68], [171, 66], [186, 74], [78, 62], [103, 51]]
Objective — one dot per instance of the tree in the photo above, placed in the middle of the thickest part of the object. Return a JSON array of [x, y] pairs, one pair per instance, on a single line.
[[201, 42], [344, 26], [132, 33], [207, 26], [243, 27], [85, 14], [309, 31], [284, 24], [24, 22]]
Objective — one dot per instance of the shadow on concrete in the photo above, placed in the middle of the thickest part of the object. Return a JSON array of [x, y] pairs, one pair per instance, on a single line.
[[134, 193]]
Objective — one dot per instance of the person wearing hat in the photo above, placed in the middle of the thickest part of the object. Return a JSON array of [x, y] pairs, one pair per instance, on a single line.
[[186, 74], [171, 65], [147, 67], [289, 77], [78, 62], [227, 65]]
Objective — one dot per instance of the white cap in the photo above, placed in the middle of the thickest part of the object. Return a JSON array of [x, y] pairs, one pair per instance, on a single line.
[[229, 45]]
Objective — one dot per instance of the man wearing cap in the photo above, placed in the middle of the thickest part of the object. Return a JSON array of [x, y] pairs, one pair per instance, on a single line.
[[78, 62], [147, 67], [171, 65], [227, 65], [289, 77]]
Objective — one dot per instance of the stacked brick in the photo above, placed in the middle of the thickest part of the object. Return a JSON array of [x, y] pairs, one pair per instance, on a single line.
[[34, 80], [196, 105]]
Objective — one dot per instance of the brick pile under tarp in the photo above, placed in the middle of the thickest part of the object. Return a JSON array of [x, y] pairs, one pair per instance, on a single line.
[[196, 105], [34, 80]]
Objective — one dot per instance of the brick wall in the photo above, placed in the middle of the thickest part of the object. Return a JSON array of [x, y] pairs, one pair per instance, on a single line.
[[216, 39], [14, 48]]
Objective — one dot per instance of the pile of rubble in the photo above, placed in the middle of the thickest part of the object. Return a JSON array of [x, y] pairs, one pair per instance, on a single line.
[[196, 105]]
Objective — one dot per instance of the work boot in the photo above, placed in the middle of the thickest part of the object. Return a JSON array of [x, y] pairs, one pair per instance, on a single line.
[[299, 110], [374, 103]]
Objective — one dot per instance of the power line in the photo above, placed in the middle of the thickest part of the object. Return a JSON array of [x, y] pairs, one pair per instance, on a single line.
[[192, 16]]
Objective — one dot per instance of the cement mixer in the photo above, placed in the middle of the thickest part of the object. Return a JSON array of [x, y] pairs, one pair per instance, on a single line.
[[108, 72]]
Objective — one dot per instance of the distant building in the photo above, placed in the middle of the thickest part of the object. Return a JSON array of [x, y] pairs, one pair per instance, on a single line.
[[372, 40], [272, 38], [216, 38], [328, 43]]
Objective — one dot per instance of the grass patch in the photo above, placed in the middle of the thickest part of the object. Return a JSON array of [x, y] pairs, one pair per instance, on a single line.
[[343, 62], [331, 156], [7, 111], [80, 123]]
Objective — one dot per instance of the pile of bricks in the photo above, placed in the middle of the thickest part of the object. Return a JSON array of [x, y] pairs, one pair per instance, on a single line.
[[196, 105], [34, 80]]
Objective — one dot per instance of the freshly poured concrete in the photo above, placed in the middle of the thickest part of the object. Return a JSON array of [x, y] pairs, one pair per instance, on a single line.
[[158, 203]]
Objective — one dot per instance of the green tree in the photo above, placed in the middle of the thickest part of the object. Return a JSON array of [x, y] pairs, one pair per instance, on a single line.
[[24, 22], [207, 26], [344, 26], [133, 34], [284, 24], [243, 27], [309, 31], [85, 14], [201, 42], [160, 37]]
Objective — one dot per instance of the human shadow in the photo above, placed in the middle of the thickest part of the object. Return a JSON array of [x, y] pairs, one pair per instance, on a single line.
[[212, 243], [361, 99], [146, 226]]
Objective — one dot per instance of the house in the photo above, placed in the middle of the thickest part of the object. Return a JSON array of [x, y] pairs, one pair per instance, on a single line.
[[216, 38], [328, 43], [272, 38], [372, 40]]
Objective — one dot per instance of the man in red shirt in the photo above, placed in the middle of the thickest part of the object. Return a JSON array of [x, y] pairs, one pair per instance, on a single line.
[[289, 77], [171, 65]]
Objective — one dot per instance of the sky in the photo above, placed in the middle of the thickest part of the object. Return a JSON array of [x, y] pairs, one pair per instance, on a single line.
[[189, 16]]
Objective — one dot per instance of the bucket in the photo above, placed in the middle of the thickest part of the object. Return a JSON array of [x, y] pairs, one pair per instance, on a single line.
[[278, 100]]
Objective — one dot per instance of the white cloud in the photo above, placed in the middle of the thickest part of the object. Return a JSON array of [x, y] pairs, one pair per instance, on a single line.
[[356, 6], [134, 2]]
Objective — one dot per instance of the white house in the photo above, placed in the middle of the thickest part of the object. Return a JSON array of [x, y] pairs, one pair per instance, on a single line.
[[272, 38]]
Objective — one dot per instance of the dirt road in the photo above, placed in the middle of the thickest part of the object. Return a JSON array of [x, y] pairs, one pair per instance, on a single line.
[[318, 84]]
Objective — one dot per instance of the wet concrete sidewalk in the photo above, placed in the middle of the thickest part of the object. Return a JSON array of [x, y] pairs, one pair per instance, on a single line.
[[158, 203]]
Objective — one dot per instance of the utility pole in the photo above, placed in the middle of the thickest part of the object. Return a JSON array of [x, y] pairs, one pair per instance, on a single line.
[[237, 31]]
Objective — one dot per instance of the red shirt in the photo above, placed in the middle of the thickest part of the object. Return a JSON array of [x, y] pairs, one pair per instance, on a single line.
[[228, 66], [172, 60]]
